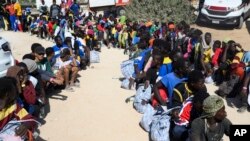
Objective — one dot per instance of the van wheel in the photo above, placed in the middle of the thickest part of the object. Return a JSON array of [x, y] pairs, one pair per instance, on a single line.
[[241, 21]]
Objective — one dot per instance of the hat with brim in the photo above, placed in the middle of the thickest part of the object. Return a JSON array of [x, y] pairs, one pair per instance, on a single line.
[[40, 50]]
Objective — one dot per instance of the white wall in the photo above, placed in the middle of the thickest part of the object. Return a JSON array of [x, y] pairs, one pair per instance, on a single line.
[[100, 3], [47, 2]]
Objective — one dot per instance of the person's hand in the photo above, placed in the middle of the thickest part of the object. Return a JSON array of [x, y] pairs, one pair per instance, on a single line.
[[146, 84], [21, 130], [244, 91], [143, 102], [216, 68]]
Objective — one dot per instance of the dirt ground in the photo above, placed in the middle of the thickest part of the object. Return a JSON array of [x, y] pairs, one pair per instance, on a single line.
[[97, 110]]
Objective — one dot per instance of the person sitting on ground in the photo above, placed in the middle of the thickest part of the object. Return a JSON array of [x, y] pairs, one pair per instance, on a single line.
[[195, 82], [151, 74], [213, 124], [244, 94], [41, 61], [190, 110], [33, 71], [44, 67], [69, 66], [25, 88], [11, 111], [169, 81], [59, 46]]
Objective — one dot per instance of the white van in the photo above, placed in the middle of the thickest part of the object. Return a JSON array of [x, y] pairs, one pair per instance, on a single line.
[[6, 58], [225, 12]]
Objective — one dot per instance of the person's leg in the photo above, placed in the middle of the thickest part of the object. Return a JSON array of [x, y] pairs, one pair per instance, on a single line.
[[66, 76], [20, 27], [180, 133], [244, 102], [12, 22], [74, 75]]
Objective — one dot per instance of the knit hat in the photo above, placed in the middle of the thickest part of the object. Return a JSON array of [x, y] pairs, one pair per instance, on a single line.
[[31, 64], [211, 105]]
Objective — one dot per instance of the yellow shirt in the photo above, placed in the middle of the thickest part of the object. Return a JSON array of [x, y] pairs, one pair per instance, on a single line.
[[167, 60], [207, 55], [18, 8]]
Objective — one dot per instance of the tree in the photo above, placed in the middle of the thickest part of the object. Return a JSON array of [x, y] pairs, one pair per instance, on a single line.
[[162, 10]]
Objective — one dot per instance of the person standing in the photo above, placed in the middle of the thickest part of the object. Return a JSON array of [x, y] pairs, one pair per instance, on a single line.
[[54, 10], [43, 8], [10, 8], [18, 12]]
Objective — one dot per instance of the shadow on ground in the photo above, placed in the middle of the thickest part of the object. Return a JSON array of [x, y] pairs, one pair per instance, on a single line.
[[248, 26]]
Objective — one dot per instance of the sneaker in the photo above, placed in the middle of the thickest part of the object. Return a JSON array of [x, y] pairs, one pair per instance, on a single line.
[[242, 109], [76, 85], [69, 89]]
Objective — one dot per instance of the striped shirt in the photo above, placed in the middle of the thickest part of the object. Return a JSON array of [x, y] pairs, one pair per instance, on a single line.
[[14, 111], [184, 115]]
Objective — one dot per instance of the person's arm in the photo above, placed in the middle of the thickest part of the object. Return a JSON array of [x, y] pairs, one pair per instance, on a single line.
[[245, 84], [239, 46], [196, 130], [215, 58], [227, 124], [22, 114], [224, 57], [73, 63], [157, 94], [50, 11]]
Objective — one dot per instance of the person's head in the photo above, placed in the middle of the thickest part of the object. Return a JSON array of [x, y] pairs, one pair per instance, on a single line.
[[39, 53], [58, 41], [175, 55], [23, 67], [19, 75], [198, 99], [68, 41], [231, 47], [65, 54], [217, 44], [75, 1], [50, 52], [181, 67], [34, 46], [8, 92], [31, 65], [196, 34], [42, 1], [213, 107], [208, 38], [142, 44], [196, 80], [54, 1], [157, 58], [14, 1]]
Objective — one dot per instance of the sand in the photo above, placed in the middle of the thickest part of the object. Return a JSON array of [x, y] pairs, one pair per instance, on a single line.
[[97, 110]]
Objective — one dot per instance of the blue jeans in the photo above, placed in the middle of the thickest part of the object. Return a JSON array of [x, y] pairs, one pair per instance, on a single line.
[[12, 22], [180, 133]]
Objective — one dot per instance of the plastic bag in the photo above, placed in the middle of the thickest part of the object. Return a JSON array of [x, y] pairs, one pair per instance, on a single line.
[[94, 57]]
